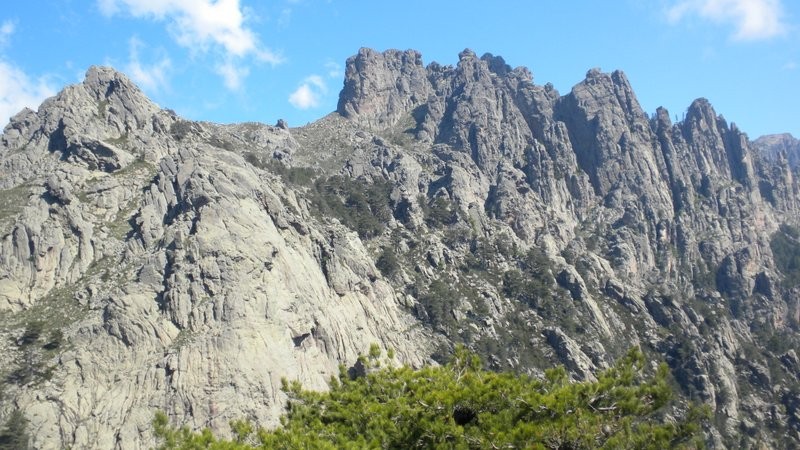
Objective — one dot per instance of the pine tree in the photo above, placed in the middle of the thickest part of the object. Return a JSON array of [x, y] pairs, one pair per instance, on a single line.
[[462, 406]]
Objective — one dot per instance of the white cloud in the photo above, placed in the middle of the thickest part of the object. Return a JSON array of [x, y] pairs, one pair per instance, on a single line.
[[18, 90], [285, 18], [205, 26], [153, 77], [6, 30], [334, 69], [232, 74], [313, 89], [752, 19], [316, 81], [304, 98], [108, 7], [310, 93], [199, 24]]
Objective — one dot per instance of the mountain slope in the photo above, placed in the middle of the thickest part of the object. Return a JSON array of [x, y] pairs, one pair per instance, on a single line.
[[777, 146], [149, 262], [180, 277]]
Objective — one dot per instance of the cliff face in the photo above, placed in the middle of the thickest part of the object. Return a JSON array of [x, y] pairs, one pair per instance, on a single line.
[[180, 277], [780, 146], [149, 262]]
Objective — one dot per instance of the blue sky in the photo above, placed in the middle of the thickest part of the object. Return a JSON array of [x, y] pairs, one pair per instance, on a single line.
[[246, 60]]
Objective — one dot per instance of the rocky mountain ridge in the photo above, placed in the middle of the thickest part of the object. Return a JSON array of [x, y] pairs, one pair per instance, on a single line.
[[777, 146], [149, 262]]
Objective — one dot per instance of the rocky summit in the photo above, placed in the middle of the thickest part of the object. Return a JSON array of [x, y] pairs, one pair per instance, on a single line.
[[150, 263], [777, 146]]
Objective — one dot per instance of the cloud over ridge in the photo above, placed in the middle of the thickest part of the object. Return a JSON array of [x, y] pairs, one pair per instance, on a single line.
[[309, 94], [17, 89], [204, 26], [752, 19]]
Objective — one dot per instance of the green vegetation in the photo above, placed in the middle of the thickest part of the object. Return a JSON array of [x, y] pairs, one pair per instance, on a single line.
[[482, 254], [33, 331], [516, 286], [785, 245], [361, 206], [11, 203], [184, 337], [457, 304], [402, 133], [439, 212], [387, 262], [531, 283], [457, 310], [180, 129], [298, 176], [439, 302], [140, 167], [120, 227], [54, 340], [39, 336], [221, 143], [704, 277], [537, 297], [461, 406], [35, 344], [512, 347], [121, 141], [14, 435], [102, 107]]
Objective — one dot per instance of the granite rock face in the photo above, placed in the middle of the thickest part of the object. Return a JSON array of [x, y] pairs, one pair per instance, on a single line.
[[780, 146], [658, 234], [188, 266], [182, 277]]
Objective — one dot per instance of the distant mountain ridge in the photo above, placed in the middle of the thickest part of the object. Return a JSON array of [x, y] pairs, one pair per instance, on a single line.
[[152, 263], [780, 145]]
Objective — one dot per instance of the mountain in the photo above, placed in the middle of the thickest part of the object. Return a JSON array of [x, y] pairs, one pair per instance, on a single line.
[[152, 263], [777, 146]]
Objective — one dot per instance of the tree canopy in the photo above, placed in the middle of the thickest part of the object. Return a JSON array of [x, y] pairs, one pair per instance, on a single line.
[[462, 406]]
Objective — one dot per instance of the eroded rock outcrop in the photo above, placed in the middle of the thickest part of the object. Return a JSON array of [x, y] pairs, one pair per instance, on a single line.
[[777, 146], [188, 266], [171, 267], [672, 222]]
